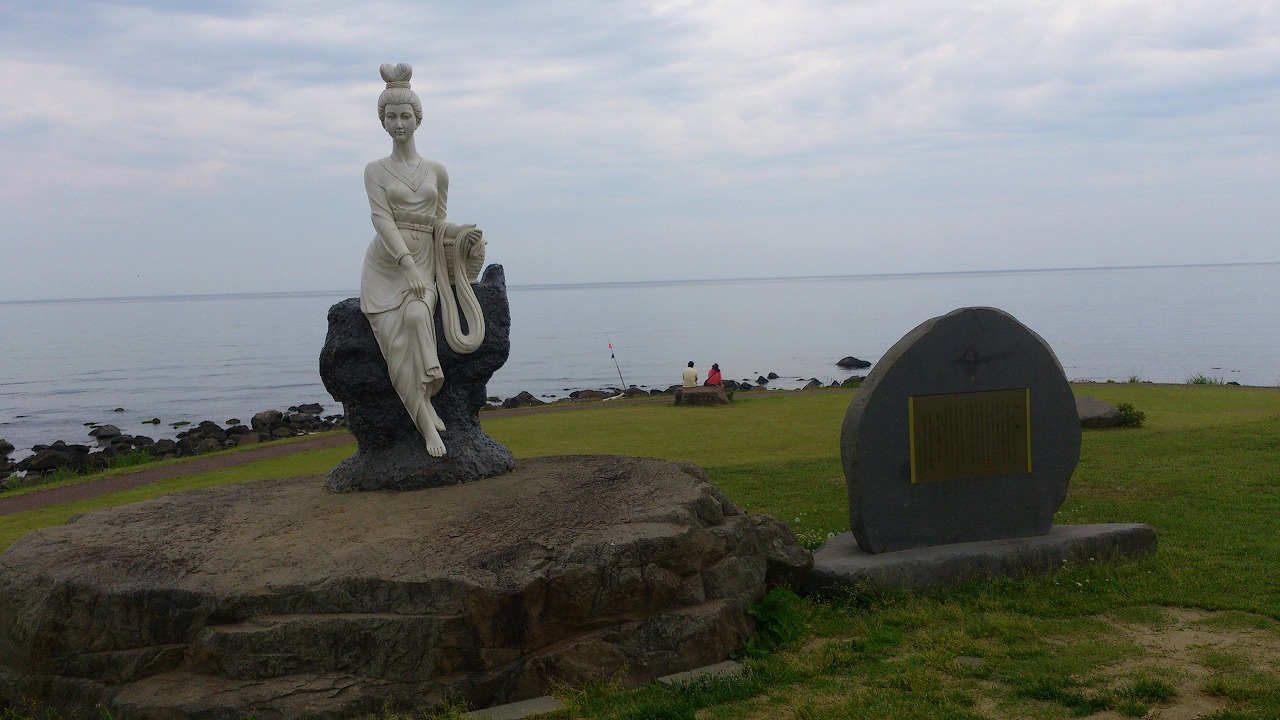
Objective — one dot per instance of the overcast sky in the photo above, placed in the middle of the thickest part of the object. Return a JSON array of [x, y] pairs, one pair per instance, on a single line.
[[154, 148]]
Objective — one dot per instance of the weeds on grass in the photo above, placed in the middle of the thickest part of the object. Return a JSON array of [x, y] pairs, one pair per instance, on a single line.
[[131, 459], [1202, 379], [123, 460]]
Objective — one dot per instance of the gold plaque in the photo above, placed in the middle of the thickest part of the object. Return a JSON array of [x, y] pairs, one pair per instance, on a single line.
[[970, 435]]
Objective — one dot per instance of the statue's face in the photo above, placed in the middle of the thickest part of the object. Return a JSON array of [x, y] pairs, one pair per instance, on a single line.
[[399, 121]]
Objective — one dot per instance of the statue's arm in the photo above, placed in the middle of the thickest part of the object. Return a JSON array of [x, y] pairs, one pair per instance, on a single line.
[[442, 202], [383, 221]]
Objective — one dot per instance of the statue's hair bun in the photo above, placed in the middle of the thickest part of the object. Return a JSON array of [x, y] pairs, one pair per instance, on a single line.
[[396, 75]]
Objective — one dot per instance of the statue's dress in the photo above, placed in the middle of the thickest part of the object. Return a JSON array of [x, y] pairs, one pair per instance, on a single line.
[[406, 335]]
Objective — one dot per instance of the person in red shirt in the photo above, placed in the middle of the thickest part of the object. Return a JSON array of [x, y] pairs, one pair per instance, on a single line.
[[713, 377]]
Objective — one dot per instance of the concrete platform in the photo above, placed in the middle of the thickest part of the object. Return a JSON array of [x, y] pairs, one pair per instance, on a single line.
[[728, 668], [839, 563], [518, 710]]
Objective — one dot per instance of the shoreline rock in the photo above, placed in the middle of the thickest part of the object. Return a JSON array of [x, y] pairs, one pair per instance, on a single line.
[[199, 438]]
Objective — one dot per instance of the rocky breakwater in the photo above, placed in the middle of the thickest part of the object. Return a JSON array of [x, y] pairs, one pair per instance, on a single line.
[[111, 443], [281, 599]]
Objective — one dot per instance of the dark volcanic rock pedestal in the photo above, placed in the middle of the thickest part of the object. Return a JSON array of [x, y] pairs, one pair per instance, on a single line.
[[391, 454], [279, 599]]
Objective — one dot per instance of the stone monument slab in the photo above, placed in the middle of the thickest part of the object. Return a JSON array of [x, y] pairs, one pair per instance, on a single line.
[[966, 430]]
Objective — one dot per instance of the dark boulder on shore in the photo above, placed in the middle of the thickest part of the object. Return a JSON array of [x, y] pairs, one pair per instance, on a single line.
[[105, 432], [852, 363], [48, 458], [521, 400], [6, 447]]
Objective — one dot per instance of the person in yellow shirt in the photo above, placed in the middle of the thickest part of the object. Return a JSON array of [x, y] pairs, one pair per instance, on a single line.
[[690, 376]]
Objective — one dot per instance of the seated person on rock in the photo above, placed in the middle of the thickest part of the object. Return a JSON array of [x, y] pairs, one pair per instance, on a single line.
[[713, 376], [690, 376]]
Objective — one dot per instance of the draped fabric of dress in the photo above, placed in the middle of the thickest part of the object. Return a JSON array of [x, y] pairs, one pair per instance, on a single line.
[[406, 334]]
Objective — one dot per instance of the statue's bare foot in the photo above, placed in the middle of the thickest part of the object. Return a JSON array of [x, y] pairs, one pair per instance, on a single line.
[[435, 446]]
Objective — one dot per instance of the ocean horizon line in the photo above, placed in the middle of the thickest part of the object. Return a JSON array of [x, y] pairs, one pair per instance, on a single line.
[[653, 283]]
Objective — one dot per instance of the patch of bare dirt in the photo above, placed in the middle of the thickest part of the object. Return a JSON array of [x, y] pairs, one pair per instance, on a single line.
[[1179, 651]]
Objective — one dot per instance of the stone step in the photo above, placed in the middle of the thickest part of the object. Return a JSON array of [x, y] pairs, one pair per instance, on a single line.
[[412, 647]]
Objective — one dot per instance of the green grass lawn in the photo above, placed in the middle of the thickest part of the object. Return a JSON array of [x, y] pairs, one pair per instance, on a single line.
[[1192, 631]]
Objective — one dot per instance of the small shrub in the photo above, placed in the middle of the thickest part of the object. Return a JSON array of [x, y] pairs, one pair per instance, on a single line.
[[778, 622], [1202, 379], [1130, 416]]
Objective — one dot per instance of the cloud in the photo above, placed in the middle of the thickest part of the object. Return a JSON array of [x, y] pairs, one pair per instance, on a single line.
[[652, 124]]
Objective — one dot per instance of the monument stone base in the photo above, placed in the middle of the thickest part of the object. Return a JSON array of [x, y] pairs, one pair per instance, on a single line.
[[840, 564]]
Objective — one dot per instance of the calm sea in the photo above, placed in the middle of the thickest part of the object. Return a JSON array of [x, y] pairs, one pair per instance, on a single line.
[[193, 358]]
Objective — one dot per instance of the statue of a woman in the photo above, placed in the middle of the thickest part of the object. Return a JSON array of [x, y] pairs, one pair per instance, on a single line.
[[414, 260]]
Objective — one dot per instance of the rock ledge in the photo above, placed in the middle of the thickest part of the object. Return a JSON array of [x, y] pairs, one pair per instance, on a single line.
[[280, 599]]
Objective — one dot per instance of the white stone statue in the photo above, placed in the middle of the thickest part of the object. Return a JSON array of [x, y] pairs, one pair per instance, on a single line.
[[414, 260]]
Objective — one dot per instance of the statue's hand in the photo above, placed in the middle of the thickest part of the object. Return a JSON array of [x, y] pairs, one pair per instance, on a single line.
[[418, 281]]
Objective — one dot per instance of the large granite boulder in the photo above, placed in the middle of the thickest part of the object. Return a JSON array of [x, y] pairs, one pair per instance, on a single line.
[[391, 453], [278, 599], [1095, 413]]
